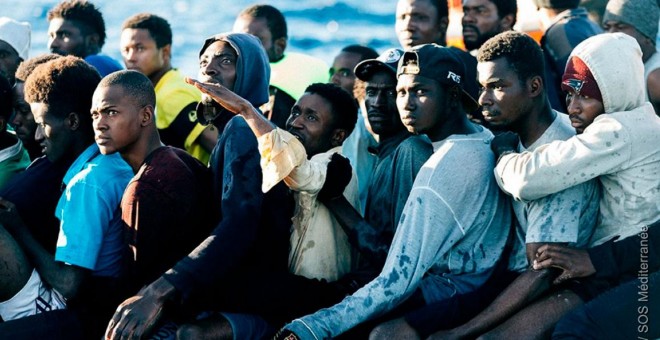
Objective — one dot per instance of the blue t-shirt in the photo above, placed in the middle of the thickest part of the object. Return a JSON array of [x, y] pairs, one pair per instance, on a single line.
[[90, 219], [103, 64]]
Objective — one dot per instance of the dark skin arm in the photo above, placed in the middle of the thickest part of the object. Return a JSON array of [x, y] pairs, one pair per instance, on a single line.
[[145, 308], [521, 292], [208, 138], [66, 279]]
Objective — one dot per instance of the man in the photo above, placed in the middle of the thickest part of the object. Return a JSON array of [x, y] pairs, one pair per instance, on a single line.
[[290, 72], [425, 22], [87, 267], [513, 96], [356, 146], [617, 136], [252, 235], [13, 156], [565, 25], [22, 121], [76, 27], [399, 156], [483, 19], [438, 223], [165, 205], [14, 46], [341, 72], [639, 19], [146, 46]]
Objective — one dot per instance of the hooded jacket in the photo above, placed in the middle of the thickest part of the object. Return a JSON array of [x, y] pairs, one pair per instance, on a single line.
[[253, 229], [620, 147]]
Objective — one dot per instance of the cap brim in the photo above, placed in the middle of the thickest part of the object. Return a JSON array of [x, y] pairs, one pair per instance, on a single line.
[[469, 103], [365, 69]]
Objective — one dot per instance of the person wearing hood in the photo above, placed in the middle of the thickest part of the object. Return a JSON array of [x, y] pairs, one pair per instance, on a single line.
[[618, 134], [252, 234]]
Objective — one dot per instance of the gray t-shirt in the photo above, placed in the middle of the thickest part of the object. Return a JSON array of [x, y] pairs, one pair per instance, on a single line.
[[568, 216]]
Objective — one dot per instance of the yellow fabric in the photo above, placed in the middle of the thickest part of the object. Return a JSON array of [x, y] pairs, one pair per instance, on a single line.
[[172, 96], [294, 72]]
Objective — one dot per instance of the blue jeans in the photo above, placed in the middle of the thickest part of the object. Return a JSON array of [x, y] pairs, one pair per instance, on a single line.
[[625, 312]]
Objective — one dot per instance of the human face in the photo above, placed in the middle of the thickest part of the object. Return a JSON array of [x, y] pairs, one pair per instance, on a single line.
[[116, 118], [23, 121], [422, 105], [612, 26], [311, 121], [259, 28], [417, 23], [9, 61], [140, 53], [504, 99], [66, 38], [380, 103], [53, 133], [341, 72], [582, 110], [218, 65], [480, 22]]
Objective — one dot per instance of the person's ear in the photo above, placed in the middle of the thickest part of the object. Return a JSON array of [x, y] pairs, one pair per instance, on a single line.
[[279, 45], [506, 23], [72, 121], [146, 115], [535, 86], [167, 53], [338, 137]]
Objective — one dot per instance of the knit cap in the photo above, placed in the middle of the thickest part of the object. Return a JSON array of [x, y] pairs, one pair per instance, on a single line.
[[16, 34], [557, 3], [579, 80], [643, 15]]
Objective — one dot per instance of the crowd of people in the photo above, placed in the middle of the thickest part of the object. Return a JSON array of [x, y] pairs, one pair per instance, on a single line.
[[509, 190]]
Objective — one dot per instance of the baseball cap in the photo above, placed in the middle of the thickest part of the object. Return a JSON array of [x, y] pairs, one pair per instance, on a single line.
[[388, 61], [438, 63], [17, 35]]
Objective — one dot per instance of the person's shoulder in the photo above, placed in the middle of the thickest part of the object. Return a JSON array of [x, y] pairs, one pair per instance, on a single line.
[[172, 86], [415, 143]]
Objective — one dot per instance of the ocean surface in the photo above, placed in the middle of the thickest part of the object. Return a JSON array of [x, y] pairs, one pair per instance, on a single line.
[[317, 27]]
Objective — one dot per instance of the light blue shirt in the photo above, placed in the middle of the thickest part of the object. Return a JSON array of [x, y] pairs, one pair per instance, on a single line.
[[89, 213], [356, 149]]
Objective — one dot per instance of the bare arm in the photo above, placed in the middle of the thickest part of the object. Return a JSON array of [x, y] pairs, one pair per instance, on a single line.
[[523, 290], [64, 278], [235, 104], [653, 88]]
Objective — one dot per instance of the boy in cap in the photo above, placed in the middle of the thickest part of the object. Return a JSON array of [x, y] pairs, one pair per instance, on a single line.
[[639, 19], [14, 46], [449, 238], [565, 25]]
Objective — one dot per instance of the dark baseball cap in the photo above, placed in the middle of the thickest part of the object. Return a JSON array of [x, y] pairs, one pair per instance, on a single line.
[[439, 63], [388, 61]]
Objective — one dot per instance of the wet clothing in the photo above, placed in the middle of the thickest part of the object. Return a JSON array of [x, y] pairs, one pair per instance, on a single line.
[[448, 240], [619, 147]]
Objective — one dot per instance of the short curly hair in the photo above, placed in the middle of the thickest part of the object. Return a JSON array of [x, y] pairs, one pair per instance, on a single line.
[[522, 53], [135, 84], [344, 108], [65, 84], [28, 66], [158, 27], [81, 11]]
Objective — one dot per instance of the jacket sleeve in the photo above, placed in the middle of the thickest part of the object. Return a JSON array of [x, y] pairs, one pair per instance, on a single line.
[[602, 149]]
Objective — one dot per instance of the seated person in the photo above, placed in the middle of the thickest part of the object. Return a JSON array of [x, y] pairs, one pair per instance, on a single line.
[[446, 227], [617, 133], [86, 272]]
